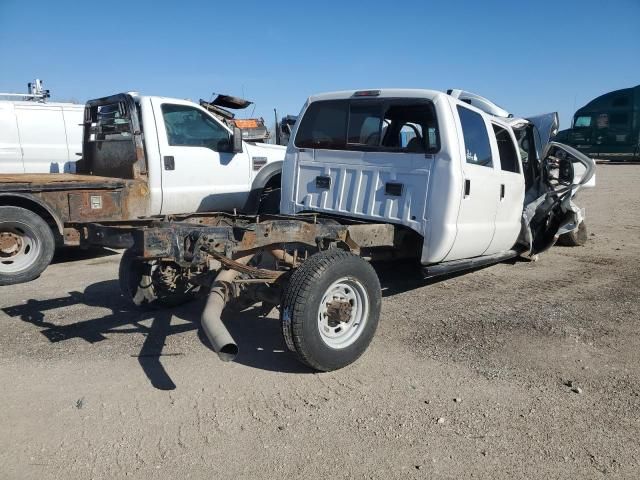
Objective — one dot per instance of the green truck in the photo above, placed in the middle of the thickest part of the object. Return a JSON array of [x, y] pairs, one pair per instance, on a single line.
[[607, 127]]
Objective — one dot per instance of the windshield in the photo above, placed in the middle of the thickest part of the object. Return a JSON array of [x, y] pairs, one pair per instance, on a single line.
[[583, 121]]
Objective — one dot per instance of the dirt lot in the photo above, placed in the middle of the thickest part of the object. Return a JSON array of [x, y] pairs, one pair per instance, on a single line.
[[525, 370]]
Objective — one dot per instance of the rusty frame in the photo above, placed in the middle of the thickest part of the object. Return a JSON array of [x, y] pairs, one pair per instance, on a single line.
[[226, 236]]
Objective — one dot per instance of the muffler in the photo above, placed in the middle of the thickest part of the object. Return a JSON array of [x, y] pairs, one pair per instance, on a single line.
[[220, 338]]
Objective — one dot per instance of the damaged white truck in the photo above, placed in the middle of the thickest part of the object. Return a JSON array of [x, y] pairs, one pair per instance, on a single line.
[[448, 179]]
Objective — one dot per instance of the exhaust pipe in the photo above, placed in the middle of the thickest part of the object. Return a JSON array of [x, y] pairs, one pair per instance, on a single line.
[[220, 338]]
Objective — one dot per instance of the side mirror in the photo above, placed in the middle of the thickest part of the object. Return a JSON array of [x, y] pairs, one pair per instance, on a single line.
[[236, 140]]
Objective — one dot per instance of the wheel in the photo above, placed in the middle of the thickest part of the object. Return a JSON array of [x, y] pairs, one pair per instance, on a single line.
[[330, 309], [150, 284], [269, 200], [27, 245], [575, 238]]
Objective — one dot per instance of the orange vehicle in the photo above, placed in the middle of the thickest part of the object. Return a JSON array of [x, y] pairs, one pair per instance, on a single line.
[[253, 129]]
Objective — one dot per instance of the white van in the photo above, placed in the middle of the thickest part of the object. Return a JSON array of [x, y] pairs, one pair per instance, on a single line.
[[40, 137]]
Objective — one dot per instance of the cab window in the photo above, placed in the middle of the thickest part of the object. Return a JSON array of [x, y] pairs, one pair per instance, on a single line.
[[506, 150], [583, 121], [189, 127], [324, 125], [617, 120], [411, 128], [364, 124], [476, 139], [392, 125]]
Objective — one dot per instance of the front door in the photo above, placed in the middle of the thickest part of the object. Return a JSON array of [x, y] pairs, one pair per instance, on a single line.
[[199, 170], [481, 188]]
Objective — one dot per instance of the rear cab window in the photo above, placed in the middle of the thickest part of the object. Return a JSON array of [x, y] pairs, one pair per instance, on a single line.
[[388, 124]]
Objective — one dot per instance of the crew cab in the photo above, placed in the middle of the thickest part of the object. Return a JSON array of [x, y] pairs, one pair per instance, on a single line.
[[469, 178], [141, 156]]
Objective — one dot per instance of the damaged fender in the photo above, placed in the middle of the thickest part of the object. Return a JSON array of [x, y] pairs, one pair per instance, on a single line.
[[549, 210]]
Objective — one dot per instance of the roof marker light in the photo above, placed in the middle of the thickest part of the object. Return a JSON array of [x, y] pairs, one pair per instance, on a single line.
[[367, 93]]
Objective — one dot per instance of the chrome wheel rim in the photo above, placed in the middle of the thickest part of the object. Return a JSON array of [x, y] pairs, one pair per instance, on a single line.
[[343, 313]]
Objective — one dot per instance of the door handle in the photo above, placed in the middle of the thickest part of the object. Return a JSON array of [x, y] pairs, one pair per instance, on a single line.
[[467, 187], [501, 191], [169, 163]]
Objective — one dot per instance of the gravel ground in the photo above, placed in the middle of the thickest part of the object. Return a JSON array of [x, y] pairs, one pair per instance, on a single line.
[[524, 370]]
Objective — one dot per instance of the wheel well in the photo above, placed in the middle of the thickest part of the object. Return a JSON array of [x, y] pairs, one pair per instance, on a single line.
[[252, 203], [274, 182], [35, 207]]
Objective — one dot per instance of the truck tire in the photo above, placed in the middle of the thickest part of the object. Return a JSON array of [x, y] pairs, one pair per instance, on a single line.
[[27, 245], [330, 309], [138, 286], [575, 238]]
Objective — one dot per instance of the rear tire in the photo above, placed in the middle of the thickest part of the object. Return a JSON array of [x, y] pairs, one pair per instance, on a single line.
[[137, 285], [575, 238], [330, 309], [27, 245]]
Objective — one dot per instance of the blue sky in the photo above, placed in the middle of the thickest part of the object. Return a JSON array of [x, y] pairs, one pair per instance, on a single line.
[[529, 56]]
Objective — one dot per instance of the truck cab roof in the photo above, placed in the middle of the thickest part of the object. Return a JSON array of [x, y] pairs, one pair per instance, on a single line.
[[469, 99], [378, 92]]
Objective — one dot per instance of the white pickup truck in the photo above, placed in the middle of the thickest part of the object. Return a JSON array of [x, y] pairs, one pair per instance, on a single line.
[[141, 156], [456, 169], [447, 179]]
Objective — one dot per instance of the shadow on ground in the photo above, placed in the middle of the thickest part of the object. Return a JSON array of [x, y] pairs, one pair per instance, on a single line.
[[259, 337], [261, 343]]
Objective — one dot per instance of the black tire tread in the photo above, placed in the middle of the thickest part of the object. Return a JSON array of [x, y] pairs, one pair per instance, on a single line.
[[296, 295], [576, 238]]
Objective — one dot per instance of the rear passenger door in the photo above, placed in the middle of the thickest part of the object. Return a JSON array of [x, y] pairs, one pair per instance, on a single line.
[[479, 202], [511, 187]]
